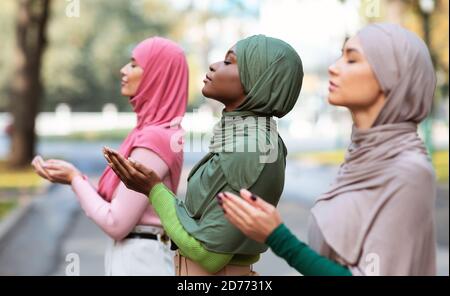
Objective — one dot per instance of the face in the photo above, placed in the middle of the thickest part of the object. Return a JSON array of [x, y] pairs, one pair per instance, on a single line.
[[352, 81], [222, 82], [131, 78]]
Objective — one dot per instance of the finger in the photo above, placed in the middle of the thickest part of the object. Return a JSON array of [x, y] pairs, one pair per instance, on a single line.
[[53, 160], [40, 170], [35, 159], [125, 163], [245, 206], [235, 220], [115, 171], [111, 151], [120, 170], [37, 168], [58, 177], [51, 166], [55, 175], [140, 167], [115, 154], [230, 213], [39, 160], [134, 173], [33, 162], [119, 174], [238, 206], [255, 200], [107, 158], [105, 151], [111, 165], [41, 174], [57, 162], [234, 217]]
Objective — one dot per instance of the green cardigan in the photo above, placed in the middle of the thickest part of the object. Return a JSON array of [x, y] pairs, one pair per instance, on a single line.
[[298, 255]]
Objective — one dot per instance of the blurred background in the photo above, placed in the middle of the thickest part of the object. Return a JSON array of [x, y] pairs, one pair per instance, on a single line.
[[60, 97]]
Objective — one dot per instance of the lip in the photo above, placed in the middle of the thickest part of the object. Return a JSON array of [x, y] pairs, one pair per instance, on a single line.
[[333, 86], [207, 79], [123, 83]]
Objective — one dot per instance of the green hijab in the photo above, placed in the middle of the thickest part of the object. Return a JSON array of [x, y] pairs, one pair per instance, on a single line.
[[246, 150]]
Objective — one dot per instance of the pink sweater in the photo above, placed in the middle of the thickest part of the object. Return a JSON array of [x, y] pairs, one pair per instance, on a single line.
[[127, 208]]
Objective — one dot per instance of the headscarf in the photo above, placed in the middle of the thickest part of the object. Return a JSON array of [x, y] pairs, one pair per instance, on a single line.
[[382, 200], [160, 104], [271, 73]]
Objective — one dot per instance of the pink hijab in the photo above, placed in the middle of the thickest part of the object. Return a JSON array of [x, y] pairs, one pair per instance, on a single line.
[[160, 104]]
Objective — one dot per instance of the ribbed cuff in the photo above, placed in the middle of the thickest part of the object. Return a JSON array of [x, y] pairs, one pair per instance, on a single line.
[[158, 188], [82, 177], [278, 234]]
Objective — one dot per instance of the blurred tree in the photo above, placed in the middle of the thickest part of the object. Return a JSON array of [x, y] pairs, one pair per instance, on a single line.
[[26, 87], [87, 52], [7, 46]]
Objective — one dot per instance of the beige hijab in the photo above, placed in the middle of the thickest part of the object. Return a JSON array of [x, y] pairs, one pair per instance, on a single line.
[[379, 213]]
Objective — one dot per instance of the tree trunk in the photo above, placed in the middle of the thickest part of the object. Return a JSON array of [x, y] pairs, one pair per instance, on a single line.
[[26, 86]]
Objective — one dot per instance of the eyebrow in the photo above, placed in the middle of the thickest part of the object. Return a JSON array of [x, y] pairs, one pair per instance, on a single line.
[[230, 52], [350, 50]]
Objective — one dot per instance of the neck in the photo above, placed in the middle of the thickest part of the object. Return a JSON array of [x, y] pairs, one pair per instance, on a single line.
[[231, 106], [229, 109], [364, 118]]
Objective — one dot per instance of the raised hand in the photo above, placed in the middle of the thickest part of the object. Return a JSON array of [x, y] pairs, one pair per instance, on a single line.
[[133, 174], [255, 217]]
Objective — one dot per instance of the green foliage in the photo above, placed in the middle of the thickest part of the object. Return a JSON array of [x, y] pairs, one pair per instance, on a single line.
[[85, 54], [18, 178], [7, 13], [6, 207]]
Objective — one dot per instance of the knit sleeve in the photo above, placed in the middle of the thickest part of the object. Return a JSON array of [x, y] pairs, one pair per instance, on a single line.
[[301, 257], [163, 202]]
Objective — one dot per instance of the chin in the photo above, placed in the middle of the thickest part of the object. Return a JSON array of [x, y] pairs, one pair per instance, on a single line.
[[205, 93], [125, 93], [334, 101]]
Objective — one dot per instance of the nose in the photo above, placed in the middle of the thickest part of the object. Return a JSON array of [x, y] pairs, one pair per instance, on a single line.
[[332, 70], [213, 67], [123, 71]]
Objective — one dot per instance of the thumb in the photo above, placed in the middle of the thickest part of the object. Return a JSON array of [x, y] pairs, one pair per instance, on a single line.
[[255, 200]]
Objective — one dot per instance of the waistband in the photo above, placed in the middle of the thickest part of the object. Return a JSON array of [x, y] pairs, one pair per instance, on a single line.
[[148, 232], [186, 267], [147, 229]]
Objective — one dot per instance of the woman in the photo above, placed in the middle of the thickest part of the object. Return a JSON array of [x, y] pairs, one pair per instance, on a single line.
[[156, 80], [260, 77], [378, 217]]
